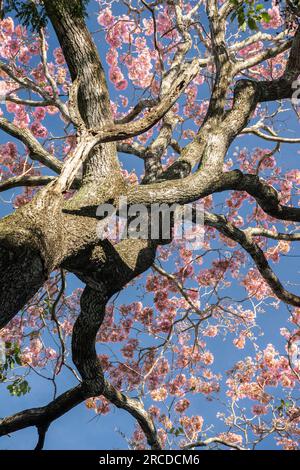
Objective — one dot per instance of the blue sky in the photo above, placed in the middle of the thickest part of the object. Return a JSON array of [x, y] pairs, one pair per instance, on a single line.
[[80, 428]]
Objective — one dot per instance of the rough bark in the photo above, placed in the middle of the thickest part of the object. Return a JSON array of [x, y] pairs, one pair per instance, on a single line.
[[51, 232]]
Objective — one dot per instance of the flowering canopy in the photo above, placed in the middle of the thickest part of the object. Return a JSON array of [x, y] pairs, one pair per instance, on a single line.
[[196, 96]]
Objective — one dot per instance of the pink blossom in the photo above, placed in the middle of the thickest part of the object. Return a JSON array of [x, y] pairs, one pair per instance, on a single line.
[[7, 25], [275, 18], [39, 113], [159, 394], [259, 410], [38, 130], [182, 405], [59, 56]]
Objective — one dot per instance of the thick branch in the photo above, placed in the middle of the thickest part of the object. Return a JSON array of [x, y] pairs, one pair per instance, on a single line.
[[267, 197], [136, 409], [43, 415], [136, 110], [282, 88], [32, 182], [27, 181]]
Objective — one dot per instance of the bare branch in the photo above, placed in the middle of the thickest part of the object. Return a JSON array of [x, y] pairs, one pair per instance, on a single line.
[[267, 197], [272, 138], [37, 151], [24, 102], [26, 82], [48, 75], [134, 128], [44, 415], [179, 286], [262, 232], [213, 440]]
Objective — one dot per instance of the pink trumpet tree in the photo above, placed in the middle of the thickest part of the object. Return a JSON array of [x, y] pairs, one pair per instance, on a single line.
[[169, 102]]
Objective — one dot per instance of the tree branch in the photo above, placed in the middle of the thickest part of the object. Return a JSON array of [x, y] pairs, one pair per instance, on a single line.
[[212, 440], [27, 181], [271, 138], [42, 416], [36, 150], [136, 409], [136, 110], [246, 242], [93, 383], [123, 131], [267, 197], [265, 54], [84, 63]]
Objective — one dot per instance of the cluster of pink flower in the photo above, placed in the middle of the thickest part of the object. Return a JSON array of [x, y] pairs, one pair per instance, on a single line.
[[276, 19], [120, 31], [256, 286], [15, 43], [36, 355], [216, 274], [250, 379]]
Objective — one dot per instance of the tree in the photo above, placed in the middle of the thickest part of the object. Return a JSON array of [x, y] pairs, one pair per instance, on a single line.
[[186, 80]]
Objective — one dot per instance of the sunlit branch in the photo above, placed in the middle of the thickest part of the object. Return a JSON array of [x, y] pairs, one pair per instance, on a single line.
[[25, 181], [271, 138], [213, 440], [36, 150]]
